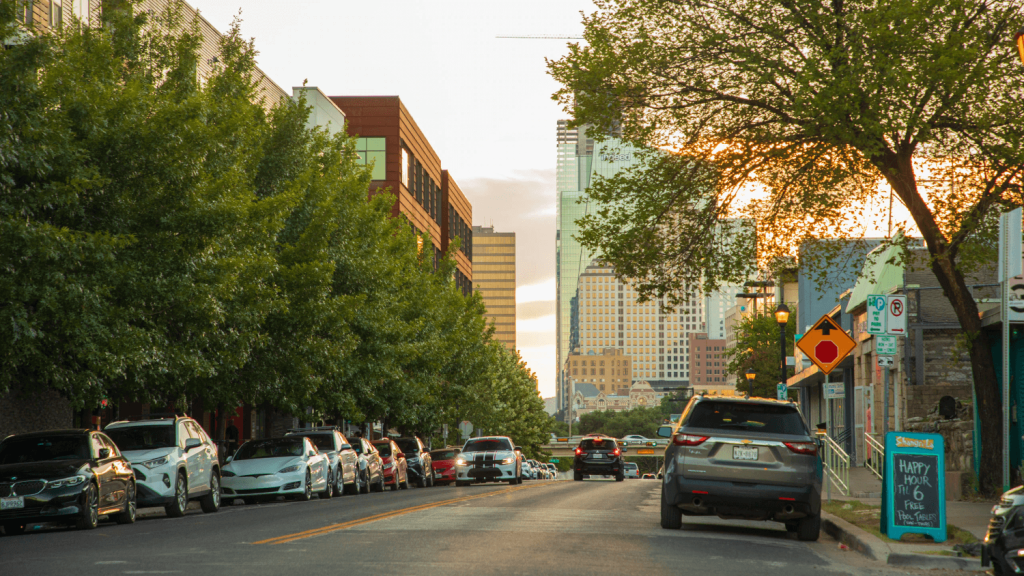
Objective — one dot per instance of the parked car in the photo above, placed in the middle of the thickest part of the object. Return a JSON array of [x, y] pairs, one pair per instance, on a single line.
[[174, 461], [752, 458], [632, 470], [648, 476], [528, 472], [66, 477], [636, 439], [396, 470], [1004, 539], [598, 455], [418, 460], [489, 459], [343, 475], [443, 463], [371, 466], [553, 469], [289, 466]]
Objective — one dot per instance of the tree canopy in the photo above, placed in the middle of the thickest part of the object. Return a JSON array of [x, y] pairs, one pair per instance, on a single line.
[[794, 114]]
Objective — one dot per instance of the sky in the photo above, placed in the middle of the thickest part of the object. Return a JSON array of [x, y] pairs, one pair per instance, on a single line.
[[484, 104]]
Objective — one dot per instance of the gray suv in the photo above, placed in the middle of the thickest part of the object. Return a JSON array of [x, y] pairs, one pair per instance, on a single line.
[[749, 458]]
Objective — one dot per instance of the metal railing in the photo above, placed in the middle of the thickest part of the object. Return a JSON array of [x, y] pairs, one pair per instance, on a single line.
[[874, 455], [837, 464]]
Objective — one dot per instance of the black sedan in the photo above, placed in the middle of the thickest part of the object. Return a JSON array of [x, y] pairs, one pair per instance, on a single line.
[[64, 477]]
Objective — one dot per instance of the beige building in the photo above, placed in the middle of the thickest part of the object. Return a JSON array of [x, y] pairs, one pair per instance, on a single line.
[[586, 398], [707, 365], [494, 275], [609, 370], [652, 336]]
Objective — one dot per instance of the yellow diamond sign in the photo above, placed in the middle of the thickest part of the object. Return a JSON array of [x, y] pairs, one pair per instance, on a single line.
[[826, 344]]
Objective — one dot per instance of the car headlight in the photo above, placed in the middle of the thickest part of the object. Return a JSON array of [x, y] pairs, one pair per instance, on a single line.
[[155, 462], [65, 482], [226, 473], [460, 461], [292, 468], [509, 460]]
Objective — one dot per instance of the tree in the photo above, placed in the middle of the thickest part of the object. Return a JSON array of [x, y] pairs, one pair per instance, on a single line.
[[757, 348], [810, 105]]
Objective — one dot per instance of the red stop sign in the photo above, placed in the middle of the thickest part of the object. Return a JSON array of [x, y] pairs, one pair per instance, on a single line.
[[826, 352]]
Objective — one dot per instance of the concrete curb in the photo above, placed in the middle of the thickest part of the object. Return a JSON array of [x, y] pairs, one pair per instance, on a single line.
[[871, 546], [934, 562]]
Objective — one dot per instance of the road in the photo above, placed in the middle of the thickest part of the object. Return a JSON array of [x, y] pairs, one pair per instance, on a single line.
[[540, 527]]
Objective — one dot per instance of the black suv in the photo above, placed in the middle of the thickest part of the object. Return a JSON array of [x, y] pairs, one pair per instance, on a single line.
[[599, 455], [417, 457]]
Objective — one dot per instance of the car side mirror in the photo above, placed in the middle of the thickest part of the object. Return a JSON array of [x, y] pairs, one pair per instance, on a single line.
[[400, 455], [310, 454], [665, 432], [228, 459], [192, 443], [104, 453]]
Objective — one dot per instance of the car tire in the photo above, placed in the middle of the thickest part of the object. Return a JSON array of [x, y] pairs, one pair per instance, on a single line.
[[432, 481], [577, 476], [364, 482], [620, 477], [130, 506], [90, 517], [307, 489], [379, 486], [339, 482], [179, 503], [809, 528], [211, 502], [328, 492], [671, 516], [405, 485], [423, 483]]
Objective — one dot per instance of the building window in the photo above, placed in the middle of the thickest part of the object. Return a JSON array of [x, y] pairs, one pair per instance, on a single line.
[[24, 13], [406, 161], [56, 14], [372, 152]]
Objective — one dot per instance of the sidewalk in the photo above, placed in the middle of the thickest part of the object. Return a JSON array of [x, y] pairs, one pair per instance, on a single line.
[[866, 488]]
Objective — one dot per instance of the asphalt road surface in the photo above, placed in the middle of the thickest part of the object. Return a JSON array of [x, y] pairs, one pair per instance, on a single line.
[[540, 527]]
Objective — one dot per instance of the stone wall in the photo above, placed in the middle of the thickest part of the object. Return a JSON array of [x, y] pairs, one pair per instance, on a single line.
[[33, 410], [923, 401], [958, 436]]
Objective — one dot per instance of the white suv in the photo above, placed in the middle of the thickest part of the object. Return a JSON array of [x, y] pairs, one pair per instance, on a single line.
[[174, 461]]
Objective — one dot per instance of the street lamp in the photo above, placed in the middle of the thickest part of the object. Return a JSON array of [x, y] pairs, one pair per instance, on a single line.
[[782, 317], [750, 382], [1019, 39]]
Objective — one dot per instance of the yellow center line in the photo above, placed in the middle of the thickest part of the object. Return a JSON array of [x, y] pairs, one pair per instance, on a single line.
[[385, 515]]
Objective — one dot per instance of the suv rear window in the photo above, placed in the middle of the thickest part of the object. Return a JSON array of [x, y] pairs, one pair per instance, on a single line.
[[754, 417], [598, 444], [408, 445]]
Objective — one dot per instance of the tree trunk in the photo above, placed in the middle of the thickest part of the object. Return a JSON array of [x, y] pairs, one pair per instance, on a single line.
[[899, 171]]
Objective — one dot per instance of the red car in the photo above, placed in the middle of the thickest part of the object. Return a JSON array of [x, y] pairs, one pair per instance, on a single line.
[[444, 464], [396, 472]]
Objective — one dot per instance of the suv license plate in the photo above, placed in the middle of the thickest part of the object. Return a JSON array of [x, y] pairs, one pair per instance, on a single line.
[[599, 455], [12, 503], [744, 453]]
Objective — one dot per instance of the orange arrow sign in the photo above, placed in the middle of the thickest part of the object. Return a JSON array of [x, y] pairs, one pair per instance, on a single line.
[[826, 344]]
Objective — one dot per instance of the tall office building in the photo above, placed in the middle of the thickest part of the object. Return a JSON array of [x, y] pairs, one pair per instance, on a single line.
[[580, 160], [494, 275]]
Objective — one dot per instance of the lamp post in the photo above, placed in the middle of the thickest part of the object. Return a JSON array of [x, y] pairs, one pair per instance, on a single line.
[[750, 382], [782, 317]]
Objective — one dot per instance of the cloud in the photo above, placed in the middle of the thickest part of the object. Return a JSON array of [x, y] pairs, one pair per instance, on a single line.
[[541, 292], [541, 359], [545, 324], [536, 309]]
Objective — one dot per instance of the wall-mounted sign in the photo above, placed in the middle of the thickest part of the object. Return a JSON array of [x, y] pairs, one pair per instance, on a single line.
[[914, 486], [885, 360], [834, 390]]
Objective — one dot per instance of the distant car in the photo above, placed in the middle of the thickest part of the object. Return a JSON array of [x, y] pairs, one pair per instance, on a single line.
[[648, 476], [174, 461], [528, 471], [632, 470], [554, 470], [752, 458], [443, 463], [371, 466], [417, 460], [289, 466], [638, 440], [64, 477], [343, 475], [598, 455], [488, 459], [396, 470]]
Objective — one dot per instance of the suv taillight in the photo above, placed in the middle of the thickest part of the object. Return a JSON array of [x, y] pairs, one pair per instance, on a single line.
[[579, 451], [688, 439], [809, 448], [616, 452]]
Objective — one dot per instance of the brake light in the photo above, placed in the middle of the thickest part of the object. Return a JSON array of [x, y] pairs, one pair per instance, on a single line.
[[579, 451], [616, 452], [809, 448], [688, 439]]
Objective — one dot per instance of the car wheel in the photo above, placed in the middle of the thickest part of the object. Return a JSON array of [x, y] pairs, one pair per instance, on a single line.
[[328, 492], [177, 507], [809, 528], [577, 476], [364, 482], [423, 483], [671, 516], [90, 509], [307, 489], [339, 481], [130, 506], [211, 502], [620, 477], [379, 486], [405, 483]]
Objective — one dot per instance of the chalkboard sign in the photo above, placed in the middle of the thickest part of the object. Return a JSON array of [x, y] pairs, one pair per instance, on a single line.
[[914, 487]]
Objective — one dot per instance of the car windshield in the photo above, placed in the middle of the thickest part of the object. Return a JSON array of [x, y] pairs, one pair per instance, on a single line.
[[323, 442], [384, 449], [598, 444], [43, 448], [487, 445], [444, 454], [757, 417], [142, 437], [408, 445], [632, 466], [273, 448]]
